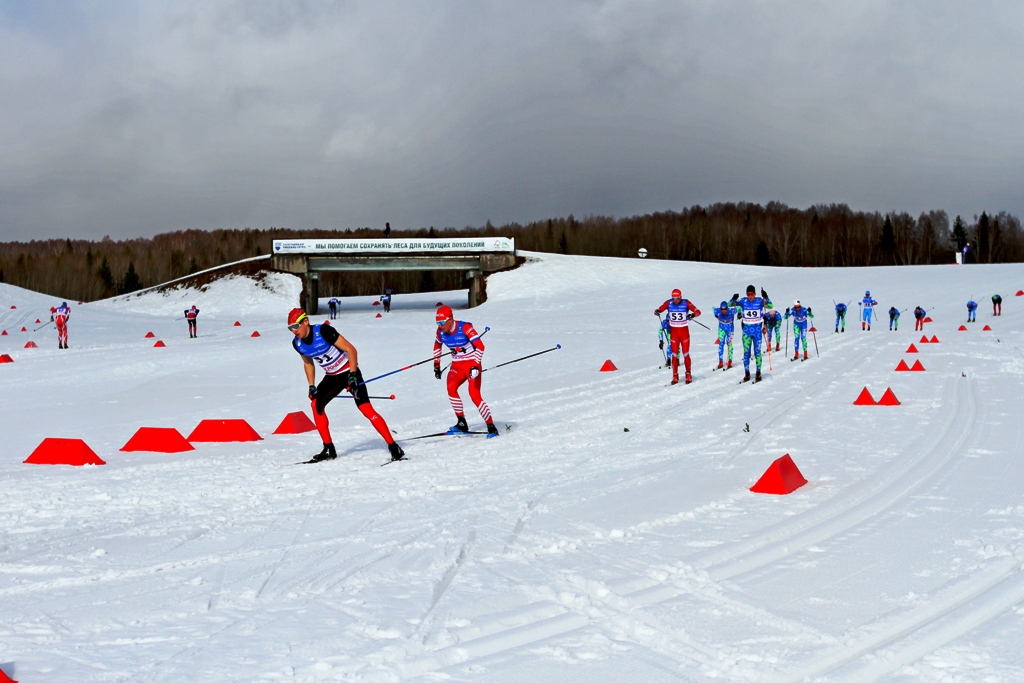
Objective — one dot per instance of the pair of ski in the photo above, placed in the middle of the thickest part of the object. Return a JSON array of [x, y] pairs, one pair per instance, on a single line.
[[753, 380], [314, 460]]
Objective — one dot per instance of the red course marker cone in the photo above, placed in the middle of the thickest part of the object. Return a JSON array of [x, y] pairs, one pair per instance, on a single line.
[[159, 344], [13, 306], [379, 315], [1020, 292], [813, 329], [917, 367], [934, 340], [157, 440], [255, 333], [237, 324], [865, 398], [781, 477], [986, 329], [38, 321], [924, 340], [962, 328], [375, 303], [5, 679], [24, 329], [911, 349], [224, 430], [902, 367], [31, 345], [608, 366], [3, 334], [150, 335], [888, 399], [295, 423], [63, 452], [6, 358], [928, 319]]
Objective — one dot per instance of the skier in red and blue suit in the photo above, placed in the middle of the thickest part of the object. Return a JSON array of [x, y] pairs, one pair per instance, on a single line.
[[324, 346], [60, 316], [680, 312], [867, 307], [467, 359]]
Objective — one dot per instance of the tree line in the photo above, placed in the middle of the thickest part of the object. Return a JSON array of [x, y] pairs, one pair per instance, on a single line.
[[742, 233]]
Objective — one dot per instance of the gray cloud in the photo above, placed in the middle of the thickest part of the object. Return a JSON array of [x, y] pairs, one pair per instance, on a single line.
[[130, 119]]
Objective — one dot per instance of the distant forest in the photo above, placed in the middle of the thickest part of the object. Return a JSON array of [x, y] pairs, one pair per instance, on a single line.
[[774, 235]]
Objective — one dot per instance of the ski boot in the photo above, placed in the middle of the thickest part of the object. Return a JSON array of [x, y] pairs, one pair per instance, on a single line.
[[460, 427], [757, 377], [492, 431], [720, 365], [328, 453], [796, 354], [396, 451], [746, 375], [728, 365], [777, 347], [675, 379], [805, 355], [689, 378]]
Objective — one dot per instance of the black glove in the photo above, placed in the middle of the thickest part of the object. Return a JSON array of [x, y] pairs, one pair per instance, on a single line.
[[764, 294], [437, 372], [735, 297], [808, 310], [657, 313], [689, 316], [661, 344], [787, 311], [353, 383], [312, 391]]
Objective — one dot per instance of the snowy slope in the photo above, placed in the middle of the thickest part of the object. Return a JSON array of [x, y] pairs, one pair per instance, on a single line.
[[567, 549]]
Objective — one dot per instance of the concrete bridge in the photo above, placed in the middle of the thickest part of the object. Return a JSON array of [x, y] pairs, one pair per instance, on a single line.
[[473, 255]]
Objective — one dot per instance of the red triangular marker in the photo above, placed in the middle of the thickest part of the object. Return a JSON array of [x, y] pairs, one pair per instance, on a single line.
[[917, 367], [150, 335], [781, 477], [24, 330], [224, 430], [924, 340], [5, 679], [157, 440], [238, 324], [295, 423], [3, 334], [865, 398], [38, 321], [6, 358], [912, 349], [608, 366], [379, 315], [813, 329], [63, 452], [375, 303], [159, 344], [1020, 292], [934, 340], [888, 399], [986, 329], [255, 333], [928, 319], [31, 345], [902, 367], [962, 328]]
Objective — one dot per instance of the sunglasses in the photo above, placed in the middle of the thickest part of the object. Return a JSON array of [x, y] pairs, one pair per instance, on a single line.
[[296, 326], [442, 323]]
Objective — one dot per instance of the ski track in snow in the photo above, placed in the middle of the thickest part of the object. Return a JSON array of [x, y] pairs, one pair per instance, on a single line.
[[569, 547]]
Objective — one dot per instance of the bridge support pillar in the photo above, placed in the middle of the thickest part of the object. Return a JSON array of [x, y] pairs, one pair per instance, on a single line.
[[312, 292]]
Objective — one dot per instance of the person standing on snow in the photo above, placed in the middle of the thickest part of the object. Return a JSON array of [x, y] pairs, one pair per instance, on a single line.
[[680, 312], [894, 319], [665, 342], [322, 345], [919, 316], [60, 316], [867, 307], [191, 315], [467, 359], [997, 305], [772, 325], [972, 309], [333, 305], [840, 316], [386, 299], [800, 316], [725, 316], [751, 313]]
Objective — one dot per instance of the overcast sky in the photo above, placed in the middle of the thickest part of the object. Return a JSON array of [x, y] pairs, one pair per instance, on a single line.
[[133, 118]]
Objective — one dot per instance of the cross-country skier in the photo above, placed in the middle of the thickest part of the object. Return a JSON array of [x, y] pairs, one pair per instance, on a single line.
[[333, 304], [919, 316], [467, 358], [191, 315], [324, 346], [972, 309], [840, 316], [751, 312], [967, 248], [725, 315], [772, 325], [867, 307], [800, 316], [60, 315], [997, 304], [894, 319], [386, 299], [680, 312], [665, 342]]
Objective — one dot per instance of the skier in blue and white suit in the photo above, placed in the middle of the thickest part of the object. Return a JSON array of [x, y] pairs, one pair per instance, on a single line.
[[725, 315], [867, 304], [800, 316], [972, 309], [751, 313]]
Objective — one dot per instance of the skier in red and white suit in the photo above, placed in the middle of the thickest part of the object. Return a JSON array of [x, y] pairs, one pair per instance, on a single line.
[[60, 316], [467, 359], [680, 312]]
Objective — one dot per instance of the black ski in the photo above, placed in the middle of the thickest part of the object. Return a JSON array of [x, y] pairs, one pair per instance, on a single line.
[[436, 434], [314, 460]]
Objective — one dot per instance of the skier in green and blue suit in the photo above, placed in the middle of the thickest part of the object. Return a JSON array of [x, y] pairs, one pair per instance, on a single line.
[[772, 324], [751, 313], [665, 342], [800, 316], [726, 315]]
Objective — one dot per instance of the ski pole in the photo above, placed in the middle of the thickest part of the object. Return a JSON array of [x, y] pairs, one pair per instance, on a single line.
[[426, 360], [494, 367], [381, 398], [814, 335], [694, 320], [42, 326], [769, 355]]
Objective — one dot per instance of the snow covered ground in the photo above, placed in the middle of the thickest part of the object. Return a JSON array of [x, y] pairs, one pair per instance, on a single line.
[[607, 535]]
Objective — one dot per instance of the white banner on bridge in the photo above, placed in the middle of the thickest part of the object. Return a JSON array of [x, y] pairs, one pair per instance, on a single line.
[[397, 246]]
